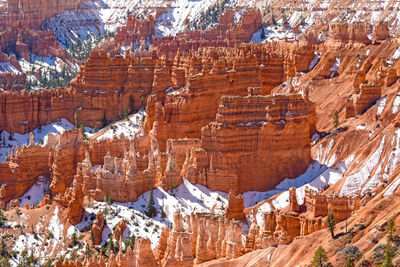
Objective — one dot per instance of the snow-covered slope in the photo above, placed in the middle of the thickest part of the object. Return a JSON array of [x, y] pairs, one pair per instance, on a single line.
[[128, 127], [9, 140]]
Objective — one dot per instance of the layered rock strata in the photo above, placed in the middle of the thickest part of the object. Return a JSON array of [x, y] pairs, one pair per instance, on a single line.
[[206, 237], [281, 227], [32, 13], [248, 139]]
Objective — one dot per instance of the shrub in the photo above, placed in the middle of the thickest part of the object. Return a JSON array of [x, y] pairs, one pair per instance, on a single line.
[[351, 252]]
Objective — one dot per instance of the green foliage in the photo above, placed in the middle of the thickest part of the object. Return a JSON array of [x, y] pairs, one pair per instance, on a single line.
[[3, 218], [126, 114], [336, 119], [92, 238], [390, 229], [76, 117], [320, 258], [350, 252], [49, 263], [330, 221], [5, 261], [209, 17], [74, 240], [262, 35], [130, 242], [389, 255], [88, 252], [18, 211], [389, 251], [111, 247], [82, 128], [50, 78], [4, 252], [80, 50], [273, 20], [150, 209], [104, 120], [109, 199], [27, 261], [284, 19], [171, 189], [105, 212], [302, 21]]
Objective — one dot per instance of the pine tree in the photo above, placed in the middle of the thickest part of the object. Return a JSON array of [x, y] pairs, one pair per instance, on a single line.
[[302, 21], [5, 262], [126, 115], [320, 257], [390, 229], [262, 35], [273, 20], [150, 210], [330, 221], [104, 120], [130, 242], [3, 248], [88, 252], [336, 119], [92, 237], [76, 116], [3, 218], [389, 255], [110, 246]]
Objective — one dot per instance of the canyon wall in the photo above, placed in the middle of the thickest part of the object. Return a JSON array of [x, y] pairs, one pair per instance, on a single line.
[[206, 237], [58, 160], [253, 144], [214, 72], [32, 13], [127, 81], [21, 172], [281, 227]]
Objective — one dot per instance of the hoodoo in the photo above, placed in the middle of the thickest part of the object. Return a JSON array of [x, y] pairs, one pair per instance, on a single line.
[[211, 133]]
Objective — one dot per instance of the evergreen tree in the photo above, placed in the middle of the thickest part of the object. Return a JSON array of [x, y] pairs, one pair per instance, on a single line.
[[92, 237], [126, 115], [336, 119], [110, 246], [27, 261], [151, 210], [5, 262], [262, 35], [3, 218], [88, 252], [76, 117], [74, 240], [390, 229], [284, 19], [3, 248], [273, 20], [330, 221], [104, 120], [302, 21], [389, 255], [130, 242], [320, 257]]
